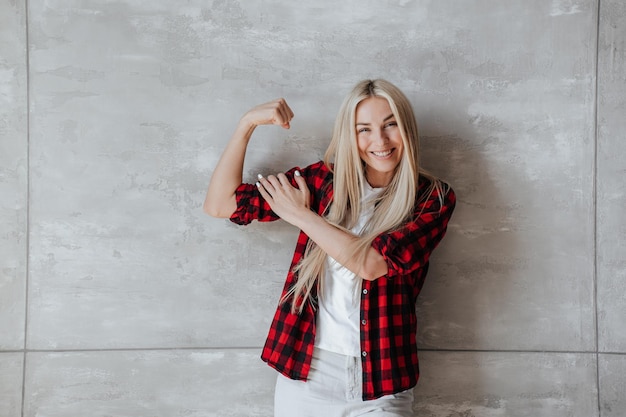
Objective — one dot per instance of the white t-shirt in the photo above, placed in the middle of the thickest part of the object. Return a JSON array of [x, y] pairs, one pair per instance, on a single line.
[[339, 311]]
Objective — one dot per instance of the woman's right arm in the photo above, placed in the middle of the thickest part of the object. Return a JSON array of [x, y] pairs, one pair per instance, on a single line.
[[220, 200]]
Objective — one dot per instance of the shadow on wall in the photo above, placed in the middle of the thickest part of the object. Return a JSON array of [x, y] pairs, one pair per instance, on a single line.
[[470, 277]]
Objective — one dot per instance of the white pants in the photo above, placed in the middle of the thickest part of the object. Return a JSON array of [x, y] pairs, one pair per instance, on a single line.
[[334, 389]]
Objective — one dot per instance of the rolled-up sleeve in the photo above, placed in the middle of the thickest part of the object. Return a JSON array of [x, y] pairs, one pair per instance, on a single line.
[[251, 206], [409, 248]]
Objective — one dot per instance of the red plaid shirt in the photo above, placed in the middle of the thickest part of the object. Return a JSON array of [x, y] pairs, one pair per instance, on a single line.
[[388, 319]]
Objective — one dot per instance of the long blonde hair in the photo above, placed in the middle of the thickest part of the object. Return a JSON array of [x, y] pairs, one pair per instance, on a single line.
[[393, 207]]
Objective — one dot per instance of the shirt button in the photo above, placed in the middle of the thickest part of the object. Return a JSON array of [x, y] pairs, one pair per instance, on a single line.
[[364, 353], [364, 291], [363, 322]]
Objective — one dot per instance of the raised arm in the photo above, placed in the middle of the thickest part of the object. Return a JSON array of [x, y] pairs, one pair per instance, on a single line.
[[220, 198]]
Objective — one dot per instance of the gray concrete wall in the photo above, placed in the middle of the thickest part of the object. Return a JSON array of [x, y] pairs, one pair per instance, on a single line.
[[118, 297]]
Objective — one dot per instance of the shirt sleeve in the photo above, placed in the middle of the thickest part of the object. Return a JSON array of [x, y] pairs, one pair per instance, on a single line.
[[252, 206], [408, 248]]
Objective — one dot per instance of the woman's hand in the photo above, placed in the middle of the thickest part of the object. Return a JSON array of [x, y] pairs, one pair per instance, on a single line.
[[276, 112], [289, 202]]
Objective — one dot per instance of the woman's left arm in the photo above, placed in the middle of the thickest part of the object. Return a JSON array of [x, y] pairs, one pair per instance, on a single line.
[[409, 248], [291, 204]]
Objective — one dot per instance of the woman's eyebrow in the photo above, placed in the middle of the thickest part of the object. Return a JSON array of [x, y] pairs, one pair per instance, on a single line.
[[391, 116]]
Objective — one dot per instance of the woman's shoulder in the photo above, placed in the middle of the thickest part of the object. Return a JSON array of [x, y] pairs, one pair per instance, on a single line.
[[427, 181], [433, 188], [318, 169], [319, 165], [319, 177]]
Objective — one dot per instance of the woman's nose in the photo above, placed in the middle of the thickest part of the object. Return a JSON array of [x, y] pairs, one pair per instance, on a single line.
[[381, 136]]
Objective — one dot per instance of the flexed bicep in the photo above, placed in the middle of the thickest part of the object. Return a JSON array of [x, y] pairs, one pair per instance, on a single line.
[[220, 200]]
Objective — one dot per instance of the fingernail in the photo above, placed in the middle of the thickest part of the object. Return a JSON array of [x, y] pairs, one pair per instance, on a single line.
[[258, 184], [297, 173], [259, 176]]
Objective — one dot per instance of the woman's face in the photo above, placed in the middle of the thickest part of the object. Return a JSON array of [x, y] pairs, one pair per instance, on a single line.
[[378, 139]]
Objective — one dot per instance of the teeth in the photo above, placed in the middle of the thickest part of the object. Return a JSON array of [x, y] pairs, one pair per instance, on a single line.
[[383, 153]]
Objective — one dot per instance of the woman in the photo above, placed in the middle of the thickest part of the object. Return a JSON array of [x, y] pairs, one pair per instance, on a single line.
[[343, 336]]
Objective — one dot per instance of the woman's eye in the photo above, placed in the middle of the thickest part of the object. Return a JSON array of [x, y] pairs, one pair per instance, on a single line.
[[391, 124], [363, 129]]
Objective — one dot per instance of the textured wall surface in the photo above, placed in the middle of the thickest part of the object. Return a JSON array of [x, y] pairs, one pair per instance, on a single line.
[[612, 178], [611, 201], [13, 174], [119, 297]]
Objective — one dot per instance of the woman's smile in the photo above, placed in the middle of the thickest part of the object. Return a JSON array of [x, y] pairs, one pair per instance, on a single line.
[[383, 154]]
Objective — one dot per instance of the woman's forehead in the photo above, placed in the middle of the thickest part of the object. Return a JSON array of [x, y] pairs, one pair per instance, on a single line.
[[373, 108]]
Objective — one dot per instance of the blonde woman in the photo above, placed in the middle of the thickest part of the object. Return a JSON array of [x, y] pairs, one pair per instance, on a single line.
[[343, 336]]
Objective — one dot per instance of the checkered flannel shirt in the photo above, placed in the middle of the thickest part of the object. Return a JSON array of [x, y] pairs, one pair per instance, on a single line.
[[388, 319]]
